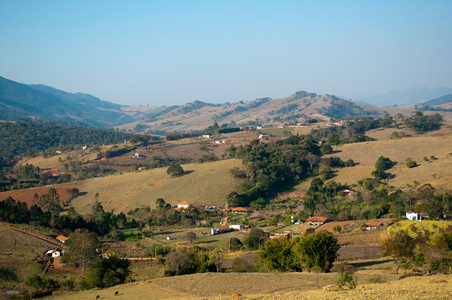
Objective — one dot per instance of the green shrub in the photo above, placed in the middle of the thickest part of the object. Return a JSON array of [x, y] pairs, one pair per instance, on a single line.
[[411, 163]]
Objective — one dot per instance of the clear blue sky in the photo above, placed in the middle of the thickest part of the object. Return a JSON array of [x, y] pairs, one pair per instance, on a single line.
[[174, 52]]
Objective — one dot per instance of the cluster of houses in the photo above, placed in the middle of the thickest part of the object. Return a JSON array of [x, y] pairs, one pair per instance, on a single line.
[[57, 252], [336, 124]]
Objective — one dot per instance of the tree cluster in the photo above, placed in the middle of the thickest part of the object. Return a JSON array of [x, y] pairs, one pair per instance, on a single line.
[[308, 253]]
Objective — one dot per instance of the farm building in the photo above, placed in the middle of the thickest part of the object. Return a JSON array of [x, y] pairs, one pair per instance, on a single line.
[[237, 227], [185, 205], [239, 210], [316, 220], [413, 216], [219, 230], [54, 252], [61, 239], [373, 225]]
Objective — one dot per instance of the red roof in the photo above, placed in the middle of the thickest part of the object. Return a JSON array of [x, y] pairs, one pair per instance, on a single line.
[[62, 238], [223, 228], [185, 203], [239, 209], [423, 214], [316, 219], [374, 224]]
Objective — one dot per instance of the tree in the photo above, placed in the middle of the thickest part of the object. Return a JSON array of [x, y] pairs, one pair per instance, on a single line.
[[175, 170], [107, 272], [160, 203], [82, 248], [318, 250], [178, 262], [191, 236], [401, 247], [276, 254], [235, 243]]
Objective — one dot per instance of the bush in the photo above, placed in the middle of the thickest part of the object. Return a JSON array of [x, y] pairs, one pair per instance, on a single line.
[[411, 163], [175, 170]]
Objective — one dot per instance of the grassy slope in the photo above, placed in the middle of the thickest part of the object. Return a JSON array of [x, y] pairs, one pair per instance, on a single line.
[[437, 172], [18, 254], [274, 286], [205, 184]]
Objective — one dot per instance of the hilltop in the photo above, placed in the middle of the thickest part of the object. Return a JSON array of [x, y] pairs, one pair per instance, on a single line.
[[19, 100]]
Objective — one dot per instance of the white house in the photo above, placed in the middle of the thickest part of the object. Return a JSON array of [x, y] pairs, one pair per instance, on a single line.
[[54, 252], [185, 205], [413, 216], [236, 227]]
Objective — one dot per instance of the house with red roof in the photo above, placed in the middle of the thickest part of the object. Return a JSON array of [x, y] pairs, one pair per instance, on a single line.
[[373, 225], [239, 210], [61, 239]]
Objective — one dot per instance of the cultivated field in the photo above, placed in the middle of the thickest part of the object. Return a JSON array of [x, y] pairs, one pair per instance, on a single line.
[[204, 184]]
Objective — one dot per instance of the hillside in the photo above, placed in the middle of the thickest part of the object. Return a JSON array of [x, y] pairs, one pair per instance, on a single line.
[[437, 172], [275, 286], [39, 101], [19, 255], [204, 184], [301, 105]]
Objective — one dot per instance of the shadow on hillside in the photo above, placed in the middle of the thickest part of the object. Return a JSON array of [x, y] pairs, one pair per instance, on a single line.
[[207, 242], [163, 233], [82, 194], [7, 274], [336, 151], [370, 263], [188, 172]]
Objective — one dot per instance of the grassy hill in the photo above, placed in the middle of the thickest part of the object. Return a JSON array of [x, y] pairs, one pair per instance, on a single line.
[[204, 184], [276, 286], [19, 254], [437, 172]]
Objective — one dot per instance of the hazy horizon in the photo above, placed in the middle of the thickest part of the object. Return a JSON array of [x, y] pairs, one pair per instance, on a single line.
[[175, 52]]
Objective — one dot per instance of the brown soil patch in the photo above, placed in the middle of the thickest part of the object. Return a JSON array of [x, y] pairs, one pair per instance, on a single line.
[[27, 195]]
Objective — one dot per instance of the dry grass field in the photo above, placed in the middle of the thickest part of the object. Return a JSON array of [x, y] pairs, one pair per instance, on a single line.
[[204, 184], [275, 286], [437, 172]]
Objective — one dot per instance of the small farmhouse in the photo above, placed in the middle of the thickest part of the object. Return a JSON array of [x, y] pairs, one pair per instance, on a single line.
[[316, 221], [61, 239], [373, 225], [54, 252], [185, 205], [219, 230], [239, 210], [413, 216]]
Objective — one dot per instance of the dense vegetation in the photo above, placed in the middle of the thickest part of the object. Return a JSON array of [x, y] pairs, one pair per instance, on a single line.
[[309, 253], [273, 166], [29, 138]]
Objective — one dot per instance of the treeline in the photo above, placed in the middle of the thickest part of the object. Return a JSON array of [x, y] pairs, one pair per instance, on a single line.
[[26, 138], [353, 131], [421, 123], [46, 213]]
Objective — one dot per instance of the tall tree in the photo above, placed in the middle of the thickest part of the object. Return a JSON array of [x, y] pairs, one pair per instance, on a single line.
[[82, 248]]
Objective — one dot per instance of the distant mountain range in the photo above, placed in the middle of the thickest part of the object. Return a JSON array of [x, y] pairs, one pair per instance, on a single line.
[[19, 100], [43, 102], [401, 98]]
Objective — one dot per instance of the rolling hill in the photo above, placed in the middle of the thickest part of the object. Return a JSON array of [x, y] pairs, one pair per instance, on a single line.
[[19, 100]]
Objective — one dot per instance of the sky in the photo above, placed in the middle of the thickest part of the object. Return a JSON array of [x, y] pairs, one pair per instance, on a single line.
[[173, 52]]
